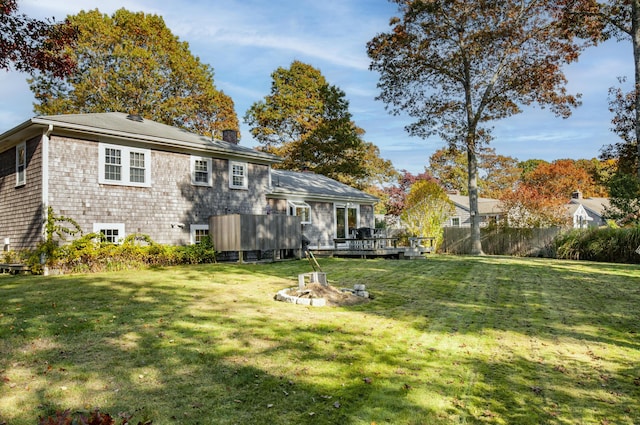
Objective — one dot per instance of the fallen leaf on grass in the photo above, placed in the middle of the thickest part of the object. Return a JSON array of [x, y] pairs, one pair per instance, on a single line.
[[367, 380], [336, 405]]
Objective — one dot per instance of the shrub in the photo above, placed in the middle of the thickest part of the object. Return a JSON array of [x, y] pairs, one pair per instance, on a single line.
[[93, 253], [615, 245]]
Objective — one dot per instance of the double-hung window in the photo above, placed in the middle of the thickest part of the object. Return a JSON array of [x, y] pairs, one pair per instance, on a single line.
[[301, 209], [21, 164], [201, 171], [123, 165], [238, 178]]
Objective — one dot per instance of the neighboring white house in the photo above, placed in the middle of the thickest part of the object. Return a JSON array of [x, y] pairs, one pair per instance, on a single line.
[[590, 215]]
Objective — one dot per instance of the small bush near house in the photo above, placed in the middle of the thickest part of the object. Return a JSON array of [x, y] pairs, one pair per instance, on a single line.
[[93, 253], [615, 245]]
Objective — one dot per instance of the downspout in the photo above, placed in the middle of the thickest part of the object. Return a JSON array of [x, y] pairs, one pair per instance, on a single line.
[[45, 179]]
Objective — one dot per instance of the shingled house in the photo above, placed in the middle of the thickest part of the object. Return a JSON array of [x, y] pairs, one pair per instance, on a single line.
[[120, 174]]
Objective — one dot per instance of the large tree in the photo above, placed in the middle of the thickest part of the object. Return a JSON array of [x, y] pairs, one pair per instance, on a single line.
[[31, 45], [307, 121], [624, 184], [131, 62], [621, 19], [455, 66], [561, 178], [496, 173]]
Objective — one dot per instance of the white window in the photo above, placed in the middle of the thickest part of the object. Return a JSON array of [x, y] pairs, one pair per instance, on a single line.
[[201, 171], [238, 175], [124, 165], [113, 232], [455, 221], [197, 232], [21, 164], [301, 209]]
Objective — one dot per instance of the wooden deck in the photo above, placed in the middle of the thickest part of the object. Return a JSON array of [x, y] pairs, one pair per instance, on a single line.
[[14, 268], [377, 247]]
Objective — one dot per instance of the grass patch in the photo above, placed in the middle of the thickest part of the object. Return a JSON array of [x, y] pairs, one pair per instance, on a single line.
[[447, 340]]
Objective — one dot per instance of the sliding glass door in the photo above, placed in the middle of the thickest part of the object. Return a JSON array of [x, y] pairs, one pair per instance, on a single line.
[[346, 219]]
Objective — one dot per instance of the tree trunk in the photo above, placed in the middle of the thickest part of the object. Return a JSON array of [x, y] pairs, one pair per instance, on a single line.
[[635, 39], [472, 159]]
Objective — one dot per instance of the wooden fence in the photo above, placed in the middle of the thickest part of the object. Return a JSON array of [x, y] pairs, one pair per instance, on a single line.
[[257, 233], [501, 241]]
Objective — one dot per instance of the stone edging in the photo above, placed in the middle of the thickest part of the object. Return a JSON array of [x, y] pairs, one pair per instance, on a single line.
[[283, 295]]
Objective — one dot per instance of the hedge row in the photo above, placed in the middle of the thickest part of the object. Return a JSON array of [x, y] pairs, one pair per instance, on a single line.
[[613, 245], [92, 253]]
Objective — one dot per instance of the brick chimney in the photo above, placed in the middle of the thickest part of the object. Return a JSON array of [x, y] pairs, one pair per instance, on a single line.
[[230, 136]]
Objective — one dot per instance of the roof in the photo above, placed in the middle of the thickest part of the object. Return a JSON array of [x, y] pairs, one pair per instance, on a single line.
[[486, 206], [594, 205], [313, 186], [120, 125]]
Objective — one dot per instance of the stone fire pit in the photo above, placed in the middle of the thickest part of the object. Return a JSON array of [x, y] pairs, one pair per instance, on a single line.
[[319, 293]]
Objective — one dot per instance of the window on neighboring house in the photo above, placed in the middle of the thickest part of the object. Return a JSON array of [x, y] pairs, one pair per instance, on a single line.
[[455, 221], [113, 232], [124, 165], [197, 232], [21, 164], [301, 209], [201, 171], [238, 175]]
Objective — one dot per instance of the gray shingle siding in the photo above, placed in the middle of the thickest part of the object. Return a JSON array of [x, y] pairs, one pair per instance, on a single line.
[[163, 211], [21, 216], [166, 203]]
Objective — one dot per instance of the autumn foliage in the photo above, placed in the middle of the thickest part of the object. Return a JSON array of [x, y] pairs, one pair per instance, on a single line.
[[31, 45], [132, 62]]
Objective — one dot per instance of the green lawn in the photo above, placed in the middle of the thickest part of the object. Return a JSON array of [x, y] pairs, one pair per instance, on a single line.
[[446, 340]]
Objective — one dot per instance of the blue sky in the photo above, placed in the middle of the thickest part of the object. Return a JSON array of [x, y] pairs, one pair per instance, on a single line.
[[246, 40]]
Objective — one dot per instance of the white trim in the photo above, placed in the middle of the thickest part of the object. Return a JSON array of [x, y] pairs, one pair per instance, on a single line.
[[293, 206], [21, 181], [192, 231], [346, 206], [245, 172], [45, 178], [459, 221], [125, 166], [209, 162], [97, 227]]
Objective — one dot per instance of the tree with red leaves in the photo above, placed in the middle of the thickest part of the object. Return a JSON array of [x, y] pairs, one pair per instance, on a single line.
[[29, 45], [396, 195]]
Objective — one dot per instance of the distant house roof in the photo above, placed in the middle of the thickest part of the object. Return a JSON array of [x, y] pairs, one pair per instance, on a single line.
[[486, 206], [124, 126], [594, 205], [313, 186]]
